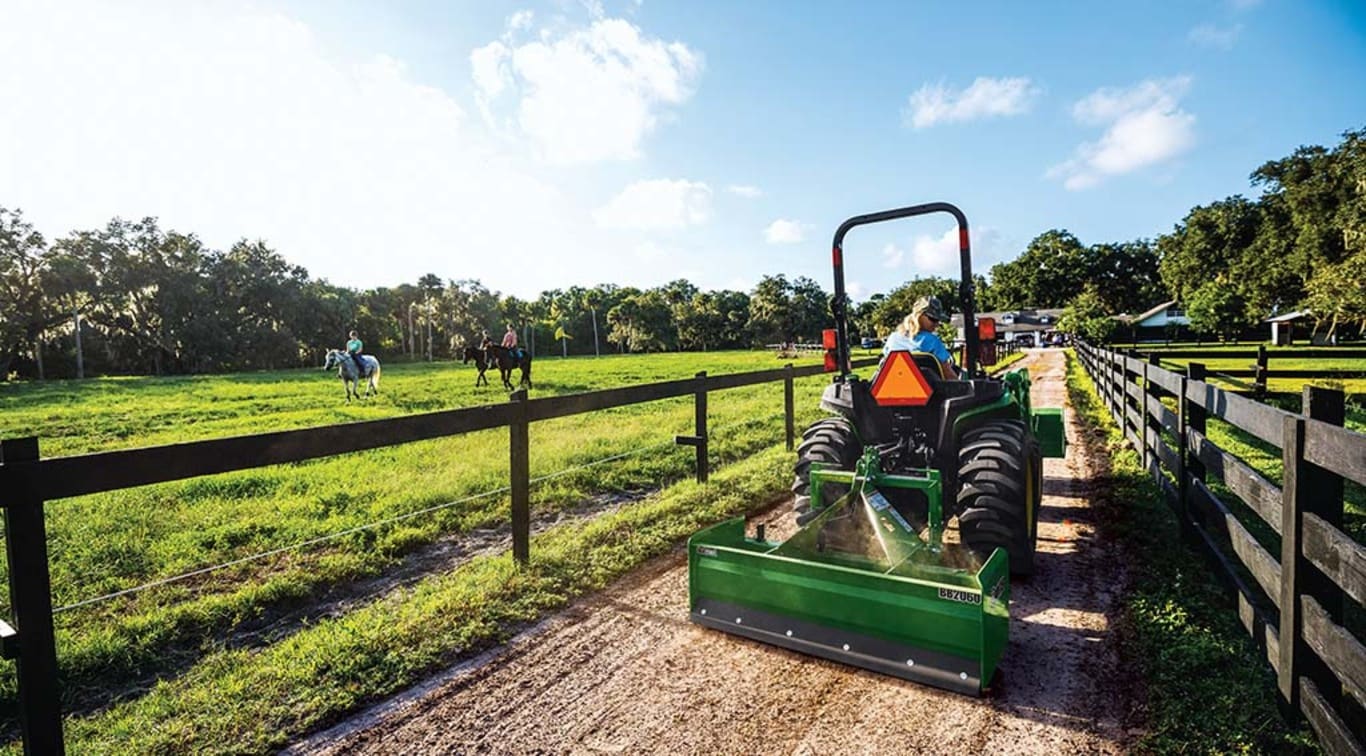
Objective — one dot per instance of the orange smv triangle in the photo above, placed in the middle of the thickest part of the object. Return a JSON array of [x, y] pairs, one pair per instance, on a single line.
[[900, 382]]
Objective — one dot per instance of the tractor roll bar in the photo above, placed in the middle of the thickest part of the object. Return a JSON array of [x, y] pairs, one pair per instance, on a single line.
[[839, 305]]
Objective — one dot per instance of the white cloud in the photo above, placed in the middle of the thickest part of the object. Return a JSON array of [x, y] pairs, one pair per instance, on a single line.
[[652, 251], [657, 205], [1145, 126], [937, 255], [985, 98], [926, 255], [522, 19], [230, 121], [585, 95], [1216, 37], [745, 190], [783, 231]]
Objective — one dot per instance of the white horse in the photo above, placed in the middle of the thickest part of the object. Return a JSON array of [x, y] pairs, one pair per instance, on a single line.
[[351, 376]]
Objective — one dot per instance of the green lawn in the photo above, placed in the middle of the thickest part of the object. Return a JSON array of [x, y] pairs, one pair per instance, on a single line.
[[104, 543]]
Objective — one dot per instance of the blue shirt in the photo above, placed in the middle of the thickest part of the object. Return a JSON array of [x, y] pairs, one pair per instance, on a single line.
[[925, 341]]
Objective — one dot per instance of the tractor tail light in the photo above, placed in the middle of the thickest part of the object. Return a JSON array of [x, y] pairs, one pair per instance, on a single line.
[[828, 337], [831, 361]]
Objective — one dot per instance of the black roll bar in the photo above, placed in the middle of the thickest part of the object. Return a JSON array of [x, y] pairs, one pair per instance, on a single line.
[[839, 306]]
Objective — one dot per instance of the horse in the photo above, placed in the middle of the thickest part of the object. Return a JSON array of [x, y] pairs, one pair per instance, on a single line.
[[350, 376], [506, 362], [481, 361]]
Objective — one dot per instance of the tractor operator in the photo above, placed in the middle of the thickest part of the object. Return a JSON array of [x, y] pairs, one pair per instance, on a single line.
[[917, 334]]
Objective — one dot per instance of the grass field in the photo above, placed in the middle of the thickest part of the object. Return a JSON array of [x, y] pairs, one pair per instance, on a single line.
[[99, 544]]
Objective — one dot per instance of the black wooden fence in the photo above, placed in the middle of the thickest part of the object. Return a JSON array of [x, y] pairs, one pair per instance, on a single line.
[[1259, 366], [1293, 604], [27, 481]]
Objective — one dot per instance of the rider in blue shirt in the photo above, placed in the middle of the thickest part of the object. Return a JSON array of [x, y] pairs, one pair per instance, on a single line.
[[917, 334]]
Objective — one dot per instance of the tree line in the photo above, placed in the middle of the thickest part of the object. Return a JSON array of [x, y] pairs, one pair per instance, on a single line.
[[133, 298], [1300, 246]]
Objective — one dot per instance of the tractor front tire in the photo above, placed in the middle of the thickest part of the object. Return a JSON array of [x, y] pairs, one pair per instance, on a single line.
[[999, 491], [832, 442]]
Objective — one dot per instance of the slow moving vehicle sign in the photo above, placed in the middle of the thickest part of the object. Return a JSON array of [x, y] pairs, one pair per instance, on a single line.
[[900, 382]]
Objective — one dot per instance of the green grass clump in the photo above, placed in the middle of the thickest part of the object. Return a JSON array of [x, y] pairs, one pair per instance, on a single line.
[[236, 701], [1209, 689]]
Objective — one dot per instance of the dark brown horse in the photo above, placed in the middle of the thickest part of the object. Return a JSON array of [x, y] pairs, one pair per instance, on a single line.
[[481, 361], [503, 357]]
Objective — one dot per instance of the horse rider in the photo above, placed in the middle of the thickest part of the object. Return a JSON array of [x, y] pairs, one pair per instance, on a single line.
[[510, 343], [486, 346], [354, 347]]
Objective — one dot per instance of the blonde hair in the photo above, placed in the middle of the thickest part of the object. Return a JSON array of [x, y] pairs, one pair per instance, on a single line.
[[910, 326]]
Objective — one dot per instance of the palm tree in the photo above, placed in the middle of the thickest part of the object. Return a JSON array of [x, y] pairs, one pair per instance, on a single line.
[[591, 298]]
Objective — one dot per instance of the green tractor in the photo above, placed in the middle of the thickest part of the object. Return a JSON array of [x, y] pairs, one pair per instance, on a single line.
[[869, 578]]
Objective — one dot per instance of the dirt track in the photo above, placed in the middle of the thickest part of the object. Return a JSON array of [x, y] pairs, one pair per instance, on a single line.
[[624, 671]]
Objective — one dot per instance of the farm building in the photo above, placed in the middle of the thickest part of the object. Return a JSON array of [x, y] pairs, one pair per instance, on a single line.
[[1163, 322], [1299, 324], [1012, 324], [1285, 327]]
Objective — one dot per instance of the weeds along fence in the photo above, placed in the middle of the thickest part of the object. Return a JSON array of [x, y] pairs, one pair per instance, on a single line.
[[27, 481], [1291, 603], [1259, 368]]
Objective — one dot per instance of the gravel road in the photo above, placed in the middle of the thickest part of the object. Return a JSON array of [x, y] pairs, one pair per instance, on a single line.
[[625, 672]]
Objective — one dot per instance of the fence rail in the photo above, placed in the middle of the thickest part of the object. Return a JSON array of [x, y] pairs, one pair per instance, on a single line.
[[1291, 603], [27, 481], [1260, 370]]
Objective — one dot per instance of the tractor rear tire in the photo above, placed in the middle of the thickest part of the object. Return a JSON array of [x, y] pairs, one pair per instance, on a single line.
[[832, 442], [999, 491]]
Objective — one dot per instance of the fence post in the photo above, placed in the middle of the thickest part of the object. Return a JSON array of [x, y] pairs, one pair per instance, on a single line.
[[1126, 401], [1196, 417], [1112, 380], [1182, 444], [1307, 488], [1157, 393], [519, 452], [1117, 397], [1260, 390], [30, 590], [788, 408], [700, 426], [1143, 416]]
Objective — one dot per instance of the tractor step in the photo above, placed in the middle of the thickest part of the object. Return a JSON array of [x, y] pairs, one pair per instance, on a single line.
[[935, 625]]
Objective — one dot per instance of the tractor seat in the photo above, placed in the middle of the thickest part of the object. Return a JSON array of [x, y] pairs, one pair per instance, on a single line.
[[930, 366]]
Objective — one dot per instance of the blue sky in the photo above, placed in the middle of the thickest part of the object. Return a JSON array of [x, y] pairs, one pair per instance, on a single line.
[[545, 144]]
